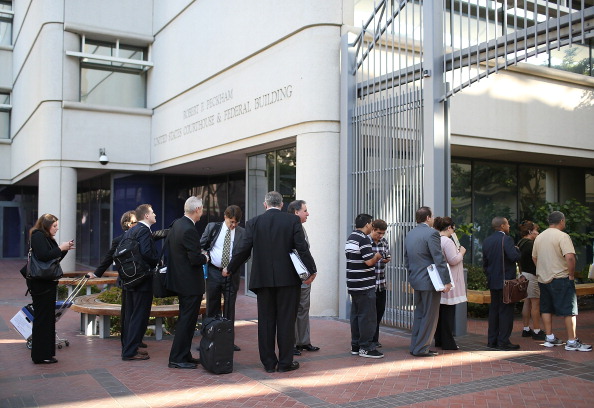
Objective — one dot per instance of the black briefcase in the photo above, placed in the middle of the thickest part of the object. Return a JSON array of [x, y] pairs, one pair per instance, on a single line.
[[216, 345]]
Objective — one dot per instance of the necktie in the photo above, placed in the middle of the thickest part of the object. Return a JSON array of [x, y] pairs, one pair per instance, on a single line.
[[226, 249]]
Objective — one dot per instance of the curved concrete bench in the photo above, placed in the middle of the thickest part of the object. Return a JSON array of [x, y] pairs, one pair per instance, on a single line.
[[91, 308], [484, 296]]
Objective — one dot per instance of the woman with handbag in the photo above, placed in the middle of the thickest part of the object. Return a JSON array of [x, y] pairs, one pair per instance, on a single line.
[[45, 248], [444, 336]]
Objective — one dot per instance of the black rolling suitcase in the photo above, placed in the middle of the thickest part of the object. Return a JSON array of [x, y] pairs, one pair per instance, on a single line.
[[216, 345]]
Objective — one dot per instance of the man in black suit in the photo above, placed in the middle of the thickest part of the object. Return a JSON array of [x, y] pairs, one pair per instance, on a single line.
[[272, 236], [137, 300], [499, 261], [220, 240], [186, 279]]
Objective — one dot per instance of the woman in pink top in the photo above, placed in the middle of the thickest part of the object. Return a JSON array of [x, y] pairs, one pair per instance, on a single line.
[[444, 336]]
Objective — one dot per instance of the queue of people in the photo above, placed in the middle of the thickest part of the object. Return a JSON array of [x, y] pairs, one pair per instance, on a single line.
[[547, 260]]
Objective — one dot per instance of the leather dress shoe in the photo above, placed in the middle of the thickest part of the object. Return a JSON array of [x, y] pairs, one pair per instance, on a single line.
[[142, 345], [308, 347], [48, 361], [142, 352], [429, 353], [296, 351], [270, 370], [492, 345], [293, 366], [236, 348], [194, 360], [137, 356], [508, 346], [181, 365]]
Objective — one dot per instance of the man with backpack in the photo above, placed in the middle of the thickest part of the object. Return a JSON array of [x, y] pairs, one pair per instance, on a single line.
[[136, 277]]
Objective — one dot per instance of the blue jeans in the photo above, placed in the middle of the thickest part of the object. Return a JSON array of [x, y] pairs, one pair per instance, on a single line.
[[363, 319]]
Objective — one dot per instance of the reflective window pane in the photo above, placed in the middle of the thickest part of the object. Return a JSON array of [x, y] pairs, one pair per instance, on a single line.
[[112, 88], [4, 125]]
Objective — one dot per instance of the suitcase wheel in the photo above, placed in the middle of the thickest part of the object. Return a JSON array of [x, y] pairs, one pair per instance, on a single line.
[[59, 346], [29, 343]]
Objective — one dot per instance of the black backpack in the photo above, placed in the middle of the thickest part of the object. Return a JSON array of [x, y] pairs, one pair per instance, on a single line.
[[131, 267]]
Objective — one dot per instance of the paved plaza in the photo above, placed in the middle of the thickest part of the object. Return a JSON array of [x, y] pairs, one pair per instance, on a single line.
[[90, 372]]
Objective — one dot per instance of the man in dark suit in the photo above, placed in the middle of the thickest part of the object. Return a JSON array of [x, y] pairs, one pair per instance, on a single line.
[[186, 279], [274, 279], [422, 247], [220, 240], [499, 257], [136, 301]]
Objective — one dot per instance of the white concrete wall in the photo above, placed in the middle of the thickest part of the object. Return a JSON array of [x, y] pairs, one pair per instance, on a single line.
[[514, 111], [5, 68]]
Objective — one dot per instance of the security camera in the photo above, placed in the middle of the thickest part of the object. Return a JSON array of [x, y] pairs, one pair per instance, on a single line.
[[103, 157]]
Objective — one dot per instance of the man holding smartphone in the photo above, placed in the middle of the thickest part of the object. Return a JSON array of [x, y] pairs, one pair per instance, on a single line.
[[380, 245]]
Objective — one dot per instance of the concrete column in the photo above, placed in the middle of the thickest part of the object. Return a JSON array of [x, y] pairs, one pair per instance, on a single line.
[[57, 196], [317, 184]]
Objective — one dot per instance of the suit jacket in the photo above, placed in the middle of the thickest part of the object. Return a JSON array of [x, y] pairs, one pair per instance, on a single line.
[[184, 267], [494, 260], [422, 247], [211, 234], [272, 236]]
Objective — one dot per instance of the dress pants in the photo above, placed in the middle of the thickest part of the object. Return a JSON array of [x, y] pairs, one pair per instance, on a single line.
[[424, 320], [217, 286], [137, 307], [444, 334], [189, 308], [363, 319], [302, 323], [44, 321], [380, 308], [277, 310], [501, 319]]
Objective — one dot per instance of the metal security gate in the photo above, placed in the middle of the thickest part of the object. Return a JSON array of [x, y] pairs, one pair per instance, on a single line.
[[397, 75]]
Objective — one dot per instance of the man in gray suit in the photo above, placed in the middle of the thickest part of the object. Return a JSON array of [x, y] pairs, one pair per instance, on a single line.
[[422, 248]]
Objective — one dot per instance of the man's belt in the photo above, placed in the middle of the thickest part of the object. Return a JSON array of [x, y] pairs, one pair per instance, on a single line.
[[216, 267]]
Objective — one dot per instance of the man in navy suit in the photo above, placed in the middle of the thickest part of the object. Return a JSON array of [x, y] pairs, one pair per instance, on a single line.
[[137, 300], [186, 279], [499, 262], [422, 247], [274, 279], [214, 242]]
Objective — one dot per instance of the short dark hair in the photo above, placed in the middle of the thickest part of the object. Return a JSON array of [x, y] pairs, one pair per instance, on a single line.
[[526, 227], [422, 214], [125, 220], [295, 206], [497, 222], [379, 225], [442, 223], [233, 211], [362, 220], [556, 217], [142, 210]]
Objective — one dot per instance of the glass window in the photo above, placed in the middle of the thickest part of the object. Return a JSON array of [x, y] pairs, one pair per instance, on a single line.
[[5, 23], [4, 116], [576, 58], [532, 187], [113, 83]]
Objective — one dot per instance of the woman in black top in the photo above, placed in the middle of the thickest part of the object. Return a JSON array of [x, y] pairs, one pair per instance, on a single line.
[[43, 292], [531, 308]]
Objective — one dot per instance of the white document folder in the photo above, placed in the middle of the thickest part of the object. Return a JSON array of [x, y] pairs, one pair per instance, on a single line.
[[436, 279]]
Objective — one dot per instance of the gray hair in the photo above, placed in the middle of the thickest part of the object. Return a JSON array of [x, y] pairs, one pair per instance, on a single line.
[[192, 204], [273, 199], [556, 217]]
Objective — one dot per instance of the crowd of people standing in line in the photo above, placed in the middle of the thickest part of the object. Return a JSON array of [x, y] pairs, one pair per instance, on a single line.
[[547, 260]]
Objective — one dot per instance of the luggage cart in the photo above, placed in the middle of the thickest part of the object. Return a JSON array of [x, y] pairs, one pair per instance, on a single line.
[[61, 308]]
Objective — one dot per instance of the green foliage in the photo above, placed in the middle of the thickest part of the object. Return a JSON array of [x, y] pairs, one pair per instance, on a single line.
[[577, 217], [464, 230], [477, 280]]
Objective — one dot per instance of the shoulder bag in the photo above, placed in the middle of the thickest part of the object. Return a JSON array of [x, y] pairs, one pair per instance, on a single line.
[[43, 270], [514, 290]]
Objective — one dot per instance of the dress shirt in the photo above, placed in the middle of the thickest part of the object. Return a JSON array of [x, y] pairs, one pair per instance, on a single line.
[[216, 252]]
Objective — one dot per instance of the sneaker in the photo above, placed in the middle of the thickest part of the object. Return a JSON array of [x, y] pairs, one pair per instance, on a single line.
[[355, 350], [539, 336], [577, 346], [370, 353], [527, 333], [553, 343]]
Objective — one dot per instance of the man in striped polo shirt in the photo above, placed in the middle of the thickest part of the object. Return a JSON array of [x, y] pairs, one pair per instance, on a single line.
[[361, 260]]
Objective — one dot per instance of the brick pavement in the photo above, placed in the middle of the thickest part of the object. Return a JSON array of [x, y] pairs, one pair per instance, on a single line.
[[90, 372]]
